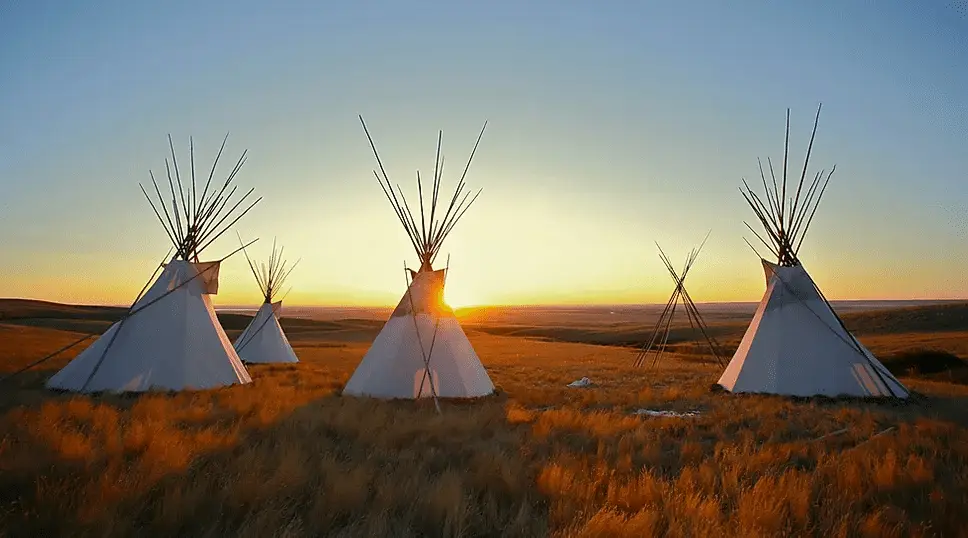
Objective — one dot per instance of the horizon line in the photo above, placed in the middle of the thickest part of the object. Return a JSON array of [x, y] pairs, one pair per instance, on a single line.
[[506, 305]]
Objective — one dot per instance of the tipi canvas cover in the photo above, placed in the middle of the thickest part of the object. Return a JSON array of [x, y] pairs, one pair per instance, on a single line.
[[170, 338], [421, 326], [172, 341], [796, 345], [263, 341]]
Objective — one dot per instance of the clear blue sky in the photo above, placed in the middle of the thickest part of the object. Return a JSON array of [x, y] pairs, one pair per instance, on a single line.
[[612, 125]]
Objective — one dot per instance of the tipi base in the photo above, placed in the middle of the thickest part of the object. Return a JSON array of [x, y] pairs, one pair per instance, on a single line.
[[496, 396], [135, 394], [912, 398]]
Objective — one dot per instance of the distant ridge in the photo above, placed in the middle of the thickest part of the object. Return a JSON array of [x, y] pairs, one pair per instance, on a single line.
[[626, 328], [11, 309]]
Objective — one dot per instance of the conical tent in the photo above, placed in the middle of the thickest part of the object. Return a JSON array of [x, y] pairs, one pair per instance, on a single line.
[[422, 350], [263, 340], [171, 339], [796, 344]]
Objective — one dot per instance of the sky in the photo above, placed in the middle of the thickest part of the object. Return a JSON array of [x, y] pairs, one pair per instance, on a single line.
[[611, 126]]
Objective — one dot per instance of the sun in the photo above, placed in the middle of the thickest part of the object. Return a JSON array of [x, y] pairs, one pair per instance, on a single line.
[[457, 296]]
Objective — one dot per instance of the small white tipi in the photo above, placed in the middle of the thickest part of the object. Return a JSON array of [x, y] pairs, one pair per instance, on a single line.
[[796, 344], [170, 339], [263, 341], [422, 350]]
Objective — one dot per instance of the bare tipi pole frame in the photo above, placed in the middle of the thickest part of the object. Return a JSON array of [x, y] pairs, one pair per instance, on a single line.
[[428, 237], [271, 277], [660, 333], [786, 219]]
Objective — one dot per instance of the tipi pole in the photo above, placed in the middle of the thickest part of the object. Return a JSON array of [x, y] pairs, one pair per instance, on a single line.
[[643, 351], [433, 340], [157, 214], [855, 344], [416, 328], [701, 324], [674, 301], [676, 297], [45, 359], [668, 328]]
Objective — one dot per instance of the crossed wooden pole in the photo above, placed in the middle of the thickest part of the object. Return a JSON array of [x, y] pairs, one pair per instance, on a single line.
[[656, 344]]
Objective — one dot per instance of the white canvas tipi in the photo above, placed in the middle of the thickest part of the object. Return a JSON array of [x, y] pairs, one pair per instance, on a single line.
[[263, 341], [422, 350], [171, 339], [796, 344]]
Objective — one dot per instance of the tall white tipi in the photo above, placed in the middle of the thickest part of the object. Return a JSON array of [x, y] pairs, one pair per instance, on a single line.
[[171, 339], [796, 344], [263, 340], [422, 350]]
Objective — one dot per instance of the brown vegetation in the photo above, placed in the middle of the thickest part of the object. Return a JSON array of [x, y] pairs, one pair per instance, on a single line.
[[287, 456]]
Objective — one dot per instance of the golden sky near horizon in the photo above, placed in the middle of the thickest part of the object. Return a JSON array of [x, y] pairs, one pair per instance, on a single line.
[[594, 260], [595, 147]]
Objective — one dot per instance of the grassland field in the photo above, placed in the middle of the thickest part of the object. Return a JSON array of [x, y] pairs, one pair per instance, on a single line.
[[288, 456]]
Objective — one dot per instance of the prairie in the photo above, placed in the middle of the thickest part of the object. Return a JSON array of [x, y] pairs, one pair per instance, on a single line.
[[288, 456]]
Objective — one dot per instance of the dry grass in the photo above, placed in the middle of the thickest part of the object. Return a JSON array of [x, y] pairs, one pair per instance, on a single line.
[[286, 456]]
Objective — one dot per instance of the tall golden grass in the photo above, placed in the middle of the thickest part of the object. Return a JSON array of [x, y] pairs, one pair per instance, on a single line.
[[287, 456]]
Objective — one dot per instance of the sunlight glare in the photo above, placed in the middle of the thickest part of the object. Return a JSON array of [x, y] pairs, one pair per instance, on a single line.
[[460, 296]]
